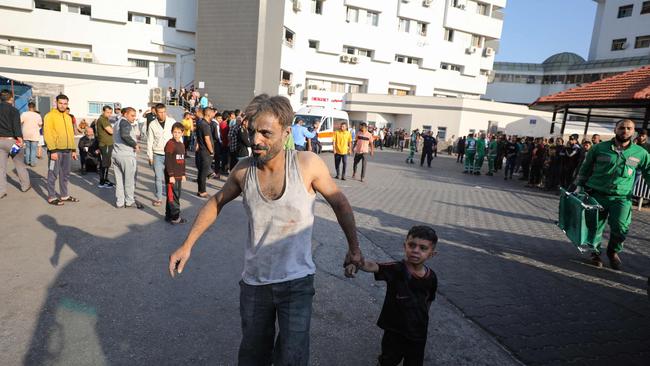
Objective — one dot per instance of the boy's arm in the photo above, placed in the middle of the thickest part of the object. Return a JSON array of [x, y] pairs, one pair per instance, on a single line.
[[367, 266]]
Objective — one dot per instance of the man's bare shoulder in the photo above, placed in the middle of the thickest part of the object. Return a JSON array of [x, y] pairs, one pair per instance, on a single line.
[[308, 160], [238, 173]]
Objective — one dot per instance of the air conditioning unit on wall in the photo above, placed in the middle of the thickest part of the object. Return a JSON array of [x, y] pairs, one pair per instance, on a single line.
[[427, 3], [470, 50], [345, 58], [291, 89], [489, 51], [156, 95], [354, 60], [297, 6]]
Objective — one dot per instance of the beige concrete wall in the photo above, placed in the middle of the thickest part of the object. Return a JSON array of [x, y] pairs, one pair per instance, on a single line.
[[226, 55]]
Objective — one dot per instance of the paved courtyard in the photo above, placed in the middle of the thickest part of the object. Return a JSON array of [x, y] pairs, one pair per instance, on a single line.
[[86, 284]]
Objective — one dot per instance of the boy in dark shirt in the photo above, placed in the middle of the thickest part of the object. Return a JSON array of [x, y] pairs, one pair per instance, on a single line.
[[174, 174], [411, 290]]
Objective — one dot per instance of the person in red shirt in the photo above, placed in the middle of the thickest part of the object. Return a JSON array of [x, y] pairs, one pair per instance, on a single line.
[[225, 151], [363, 144], [174, 174]]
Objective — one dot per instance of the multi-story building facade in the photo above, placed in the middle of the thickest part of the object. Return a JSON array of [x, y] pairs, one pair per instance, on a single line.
[[620, 42], [318, 51], [98, 52]]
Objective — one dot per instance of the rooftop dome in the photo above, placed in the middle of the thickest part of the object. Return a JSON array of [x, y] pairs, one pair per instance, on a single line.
[[566, 58]]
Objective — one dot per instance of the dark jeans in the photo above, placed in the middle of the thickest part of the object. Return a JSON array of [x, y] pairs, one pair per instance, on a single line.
[[536, 172], [429, 155], [337, 162], [259, 306], [173, 205], [225, 153], [233, 160], [299, 148], [359, 158], [58, 169], [105, 156], [204, 163], [459, 158], [395, 347]]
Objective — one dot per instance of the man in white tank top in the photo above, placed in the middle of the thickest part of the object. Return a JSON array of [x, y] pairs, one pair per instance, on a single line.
[[279, 188]]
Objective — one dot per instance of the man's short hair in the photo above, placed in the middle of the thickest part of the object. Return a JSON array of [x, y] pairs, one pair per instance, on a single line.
[[5, 95], [31, 105], [207, 109], [624, 121], [363, 124], [160, 106], [107, 108], [127, 110], [62, 97], [278, 106], [423, 232], [178, 126]]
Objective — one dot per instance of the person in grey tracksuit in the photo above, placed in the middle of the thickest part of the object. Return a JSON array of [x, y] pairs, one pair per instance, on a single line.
[[125, 148]]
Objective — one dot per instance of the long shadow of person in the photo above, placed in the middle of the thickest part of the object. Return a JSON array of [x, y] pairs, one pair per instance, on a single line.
[[114, 304]]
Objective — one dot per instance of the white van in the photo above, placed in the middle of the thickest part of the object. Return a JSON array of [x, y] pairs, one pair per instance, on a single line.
[[329, 119]]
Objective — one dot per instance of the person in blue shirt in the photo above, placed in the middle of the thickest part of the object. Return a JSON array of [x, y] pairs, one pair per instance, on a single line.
[[301, 134], [204, 101]]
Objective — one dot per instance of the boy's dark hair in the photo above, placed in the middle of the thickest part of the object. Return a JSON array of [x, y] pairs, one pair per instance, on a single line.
[[62, 96], [31, 105], [178, 126], [106, 108], [5, 95], [423, 232], [159, 106]]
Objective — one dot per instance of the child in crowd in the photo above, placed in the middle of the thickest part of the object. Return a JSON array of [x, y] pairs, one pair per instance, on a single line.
[[174, 174], [411, 289]]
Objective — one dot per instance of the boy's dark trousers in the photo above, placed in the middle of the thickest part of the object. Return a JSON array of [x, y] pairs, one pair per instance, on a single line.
[[173, 205], [395, 347], [338, 158], [359, 158]]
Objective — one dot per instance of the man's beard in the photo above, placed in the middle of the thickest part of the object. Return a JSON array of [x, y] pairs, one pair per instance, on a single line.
[[622, 140], [271, 152]]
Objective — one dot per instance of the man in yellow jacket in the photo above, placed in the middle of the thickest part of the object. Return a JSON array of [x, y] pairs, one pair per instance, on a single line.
[[58, 134], [342, 141]]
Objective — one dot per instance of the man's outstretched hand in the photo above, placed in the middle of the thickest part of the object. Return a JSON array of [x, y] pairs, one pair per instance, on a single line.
[[178, 259]]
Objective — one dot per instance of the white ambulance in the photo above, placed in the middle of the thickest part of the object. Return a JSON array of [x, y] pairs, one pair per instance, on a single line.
[[329, 119]]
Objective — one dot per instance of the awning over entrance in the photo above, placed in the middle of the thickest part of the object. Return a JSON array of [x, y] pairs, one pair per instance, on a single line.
[[22, 92], [622, 96]]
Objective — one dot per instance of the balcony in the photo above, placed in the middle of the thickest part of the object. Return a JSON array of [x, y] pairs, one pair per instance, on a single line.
[[472, 22]]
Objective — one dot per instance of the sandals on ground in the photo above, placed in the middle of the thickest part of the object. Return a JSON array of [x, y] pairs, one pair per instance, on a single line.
[[55, 202], [70, 199]]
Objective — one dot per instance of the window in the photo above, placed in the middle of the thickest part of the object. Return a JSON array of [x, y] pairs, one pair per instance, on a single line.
[[618, 44], [407, 59], [313, 44], [166, 22], [317, 6], [483, 9], [404, 25], [645, 7], [484, 72], [164, 70], [285, 77], [442, 133], [288, 37], [450, 67], [96, 107], [73, 9], [477, 41], [426, 128], [161, 21], [139, 63], [352, 15], [399, 92], [422, 28], [642, 42], [47, 5], [357, 51], [137, 18], [625, 11], [372, 18], [84, 10], [449, 35]]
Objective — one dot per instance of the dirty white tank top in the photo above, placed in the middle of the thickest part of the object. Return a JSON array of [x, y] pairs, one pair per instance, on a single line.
[[278, 248]]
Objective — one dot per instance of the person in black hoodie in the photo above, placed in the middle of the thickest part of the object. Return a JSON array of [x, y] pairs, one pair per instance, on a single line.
[[243, 140], [88, 147]]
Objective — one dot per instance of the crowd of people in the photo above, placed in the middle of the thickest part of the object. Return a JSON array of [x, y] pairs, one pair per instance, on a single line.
[[545, 163]]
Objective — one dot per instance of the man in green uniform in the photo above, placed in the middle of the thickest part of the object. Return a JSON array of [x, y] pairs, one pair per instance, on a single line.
[[607, 174], [493, 146], [470, 153], [480, 154]]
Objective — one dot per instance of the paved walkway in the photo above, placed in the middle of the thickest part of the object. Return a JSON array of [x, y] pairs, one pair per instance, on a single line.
[[87, 283]]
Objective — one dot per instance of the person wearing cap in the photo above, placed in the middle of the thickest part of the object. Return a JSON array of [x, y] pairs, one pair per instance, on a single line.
[[607, 174], [642, 140]]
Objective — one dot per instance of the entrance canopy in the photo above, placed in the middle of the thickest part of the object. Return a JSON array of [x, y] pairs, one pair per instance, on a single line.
[[22, 92], [622, 96]]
